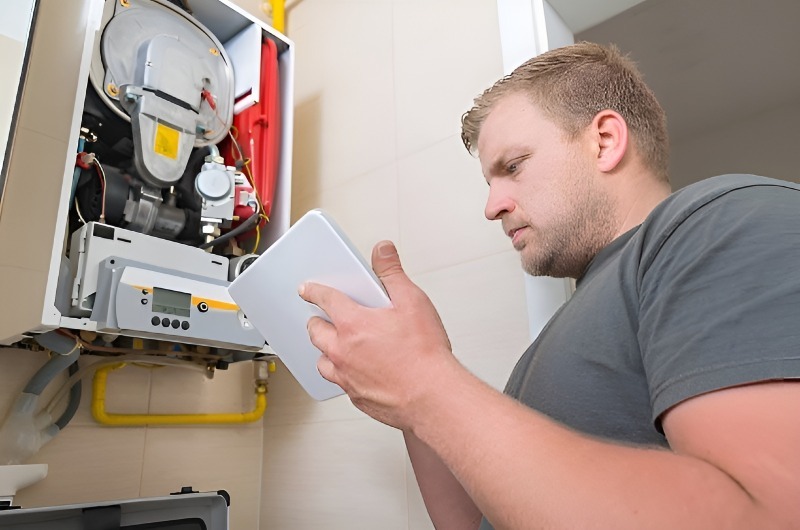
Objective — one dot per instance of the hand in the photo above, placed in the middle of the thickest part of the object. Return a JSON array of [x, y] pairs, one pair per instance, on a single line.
[[386, 359]]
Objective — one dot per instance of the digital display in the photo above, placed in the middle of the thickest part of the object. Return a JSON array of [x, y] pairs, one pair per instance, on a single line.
[[171, 302]]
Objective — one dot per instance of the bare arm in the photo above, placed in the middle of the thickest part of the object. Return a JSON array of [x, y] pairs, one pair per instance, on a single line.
[[448, 504], [734, 461]]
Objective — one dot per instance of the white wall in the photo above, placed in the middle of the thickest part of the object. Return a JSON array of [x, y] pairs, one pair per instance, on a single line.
[[381, 86], [764, 144]]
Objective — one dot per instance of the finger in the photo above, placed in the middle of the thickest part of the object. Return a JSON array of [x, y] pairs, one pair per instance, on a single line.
[[322, 333], [387, 266], [326, 369], [326, 298]]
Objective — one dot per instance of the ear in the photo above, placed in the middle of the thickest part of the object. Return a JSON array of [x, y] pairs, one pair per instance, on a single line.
[[611, 137]]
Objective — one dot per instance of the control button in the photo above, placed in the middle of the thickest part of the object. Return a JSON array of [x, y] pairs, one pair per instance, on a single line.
[[185, 324], [155, 321], [165, 322], [176, 323], [144, 301], [145, 291], [202, 307]]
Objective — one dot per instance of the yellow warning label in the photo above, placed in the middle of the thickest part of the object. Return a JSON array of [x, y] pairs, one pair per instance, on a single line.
[[167, 141], [215, 304]]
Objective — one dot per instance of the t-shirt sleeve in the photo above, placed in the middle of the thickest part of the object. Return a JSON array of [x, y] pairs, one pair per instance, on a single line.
[[719, 300]]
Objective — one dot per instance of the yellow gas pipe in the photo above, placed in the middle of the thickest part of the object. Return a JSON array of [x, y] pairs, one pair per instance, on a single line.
[[137, 420], [277, 9]]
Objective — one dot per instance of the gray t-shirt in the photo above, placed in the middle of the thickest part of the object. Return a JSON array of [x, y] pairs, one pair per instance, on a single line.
[[704, 295]]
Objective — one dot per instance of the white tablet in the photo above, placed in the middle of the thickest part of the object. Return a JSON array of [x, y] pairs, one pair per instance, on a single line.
[[313, 249]]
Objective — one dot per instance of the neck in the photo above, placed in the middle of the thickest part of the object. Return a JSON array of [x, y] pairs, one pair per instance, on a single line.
[[638, 200]]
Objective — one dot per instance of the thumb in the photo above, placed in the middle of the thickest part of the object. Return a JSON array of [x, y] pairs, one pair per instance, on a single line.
[[386, 264]]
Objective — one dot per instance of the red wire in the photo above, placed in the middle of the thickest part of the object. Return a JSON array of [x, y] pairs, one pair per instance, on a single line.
[[209, 99]]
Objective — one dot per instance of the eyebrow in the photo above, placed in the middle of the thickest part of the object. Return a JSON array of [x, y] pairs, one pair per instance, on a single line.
[[499, 163]]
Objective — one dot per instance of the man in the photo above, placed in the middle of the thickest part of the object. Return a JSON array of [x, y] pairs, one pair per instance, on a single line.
[[661, 394]]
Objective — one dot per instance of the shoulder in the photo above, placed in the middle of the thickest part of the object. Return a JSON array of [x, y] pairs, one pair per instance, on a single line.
[[683, 203], [719, 202]]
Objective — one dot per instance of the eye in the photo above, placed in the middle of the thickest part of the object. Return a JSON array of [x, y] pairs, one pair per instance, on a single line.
[[513, 166]]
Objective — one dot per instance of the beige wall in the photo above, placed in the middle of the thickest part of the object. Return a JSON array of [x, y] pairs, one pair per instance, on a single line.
[[88, 462], [380, 88]]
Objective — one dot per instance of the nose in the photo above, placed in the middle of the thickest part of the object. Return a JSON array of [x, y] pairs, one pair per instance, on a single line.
[[498, 203]]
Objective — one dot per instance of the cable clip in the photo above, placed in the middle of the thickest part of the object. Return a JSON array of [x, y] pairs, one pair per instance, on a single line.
[[84, 160]]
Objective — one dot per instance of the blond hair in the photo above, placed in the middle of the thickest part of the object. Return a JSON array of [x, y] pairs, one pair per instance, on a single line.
[[571, 85]]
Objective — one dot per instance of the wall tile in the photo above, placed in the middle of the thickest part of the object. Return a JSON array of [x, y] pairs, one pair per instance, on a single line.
[[307, 167], [87, 464], [207, 459], [442, 195], [446, 53], [301, 206], [185, 391], [16, 369], [289, 404], [309, 65], [418, 518], [127, 392], [357, 123], [254, 8], [342, 474], [344, 89], [483, 307], [300, 13], [365, 208]]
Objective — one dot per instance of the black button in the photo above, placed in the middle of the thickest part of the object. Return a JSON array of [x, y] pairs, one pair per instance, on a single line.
[[144, 301], [185, 324], [144, 291], [155, 321], [165, 322], [202, 307], [176, 323]]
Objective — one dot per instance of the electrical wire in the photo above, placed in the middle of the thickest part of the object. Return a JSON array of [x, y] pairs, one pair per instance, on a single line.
[[209, 97], [114, 350], [249, 175], [258, 239], [246, 164], [258, 217], [78, 211], [104, 184], [243, 228], [76, 347]]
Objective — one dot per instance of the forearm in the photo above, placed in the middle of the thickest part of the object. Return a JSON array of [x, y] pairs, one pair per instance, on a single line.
[[525, 471], [447, 502]]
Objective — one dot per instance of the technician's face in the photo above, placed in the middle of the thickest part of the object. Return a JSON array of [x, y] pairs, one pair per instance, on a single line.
[[544, 189]]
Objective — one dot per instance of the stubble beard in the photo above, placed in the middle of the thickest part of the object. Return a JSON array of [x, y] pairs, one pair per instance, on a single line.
[[565, 249]]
